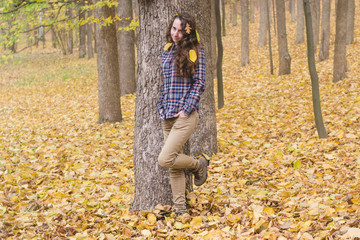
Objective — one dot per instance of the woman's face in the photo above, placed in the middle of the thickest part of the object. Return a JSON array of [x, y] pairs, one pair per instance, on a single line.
[[176, 31]]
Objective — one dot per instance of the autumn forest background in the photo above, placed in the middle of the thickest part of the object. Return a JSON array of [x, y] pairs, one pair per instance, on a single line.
[[67, 158]]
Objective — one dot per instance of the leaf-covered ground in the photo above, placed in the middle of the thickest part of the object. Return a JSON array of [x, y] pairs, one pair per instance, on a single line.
[[63, 176]]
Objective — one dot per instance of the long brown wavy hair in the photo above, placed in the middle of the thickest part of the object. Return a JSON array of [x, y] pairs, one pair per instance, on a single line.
[[184, 67]]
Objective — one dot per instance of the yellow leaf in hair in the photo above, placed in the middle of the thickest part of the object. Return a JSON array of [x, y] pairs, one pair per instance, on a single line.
[[192, 55], [167, 46]]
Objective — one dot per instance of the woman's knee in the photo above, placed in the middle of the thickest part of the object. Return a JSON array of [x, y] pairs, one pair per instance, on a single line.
[[165, 160]]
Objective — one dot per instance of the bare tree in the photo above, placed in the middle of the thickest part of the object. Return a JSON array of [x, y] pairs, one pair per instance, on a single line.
[[313, 74], [252, 11], [325, 30], [300, 23], [244, 32], [350, 22], [82, 32], [263, 23], [89, 37], [108, 69], [292, 10], [284, 56], [70, 42], [233, 12], [126, 48], [340, 65]]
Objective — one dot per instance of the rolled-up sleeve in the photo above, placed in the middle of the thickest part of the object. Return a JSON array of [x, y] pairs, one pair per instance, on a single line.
[[198, 86]]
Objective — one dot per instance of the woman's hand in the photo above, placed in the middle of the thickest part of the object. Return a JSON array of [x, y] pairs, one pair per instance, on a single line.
[[180, 114]]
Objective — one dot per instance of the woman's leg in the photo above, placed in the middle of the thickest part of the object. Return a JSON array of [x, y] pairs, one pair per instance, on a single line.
[[176, 133]]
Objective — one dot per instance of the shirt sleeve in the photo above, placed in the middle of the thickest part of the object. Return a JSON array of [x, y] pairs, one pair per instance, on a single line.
[[198, 86]]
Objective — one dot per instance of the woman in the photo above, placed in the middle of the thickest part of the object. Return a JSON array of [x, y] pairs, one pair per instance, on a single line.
[[183, 66]]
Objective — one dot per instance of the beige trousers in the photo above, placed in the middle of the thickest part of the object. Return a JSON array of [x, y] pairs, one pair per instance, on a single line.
[[176, 132]]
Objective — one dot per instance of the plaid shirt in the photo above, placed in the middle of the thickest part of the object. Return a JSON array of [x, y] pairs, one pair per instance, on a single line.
[[180, 93]]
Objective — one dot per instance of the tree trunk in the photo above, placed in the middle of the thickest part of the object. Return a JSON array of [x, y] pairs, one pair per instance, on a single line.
[[339, 69], [244, 32], [219, 56], [313, 74], [300, 23], [53, 36], [350, 22], [263, 23], [82, 32], [269, 37], [151, 181], [284, 56], [213, 37], [325, 30], [252, 11], [223, 17], [315, 14], [234, 12], [292, 10], [70, 42], [108, 69], [90, 37], [126, 48], [42, 29]]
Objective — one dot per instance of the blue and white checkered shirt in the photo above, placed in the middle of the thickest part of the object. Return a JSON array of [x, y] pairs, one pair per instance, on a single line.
[[179, 93]]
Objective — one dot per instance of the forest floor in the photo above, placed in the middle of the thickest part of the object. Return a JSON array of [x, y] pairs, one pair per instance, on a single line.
[[63, 176]]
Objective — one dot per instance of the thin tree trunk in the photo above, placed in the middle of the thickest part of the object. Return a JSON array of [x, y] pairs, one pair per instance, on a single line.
[[350, 22], [269, 37], [223, 17], [70, 42], [340, 66], [234, 12], [300, 23], [213, 37], [90, 37], [82, 33], [108, 69], [53, 37], [244, 32], [284, 56], [252, 11], [292, 10], [126, 48], [312, 69], [219, 56], [263, 23], [325, 30], [315, 14]]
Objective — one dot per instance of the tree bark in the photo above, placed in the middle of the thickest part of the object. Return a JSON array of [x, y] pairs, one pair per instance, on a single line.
[[300, 38], [315, 14], [284, 56], [151, 181], [263, 23], [82, 32], [108, 69], [213, 36], [313, 74], [350, 22], [252, 11], [89, 37], [244, 32], [126, 48], [292, 10], [234, 12], [325, 30], [223, 17], [269, 37], [219, 56], [340, 67], [70, 42]]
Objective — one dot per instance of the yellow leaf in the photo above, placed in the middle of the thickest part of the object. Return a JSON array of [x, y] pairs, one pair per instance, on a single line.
[[192, 55], [151, 218], [268, 210], [196, 221], [167, 46]]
